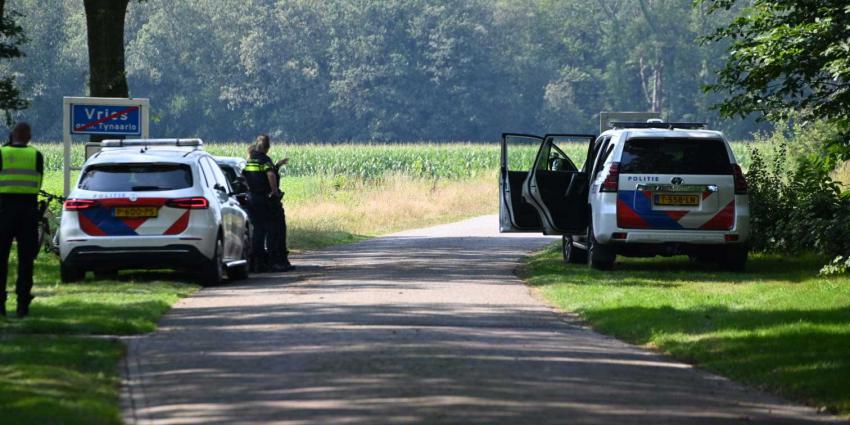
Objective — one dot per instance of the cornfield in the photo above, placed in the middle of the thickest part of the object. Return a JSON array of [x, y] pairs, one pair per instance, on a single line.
[[370, 161]]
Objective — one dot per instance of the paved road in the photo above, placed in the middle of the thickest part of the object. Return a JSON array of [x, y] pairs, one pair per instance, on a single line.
[[422, 327]]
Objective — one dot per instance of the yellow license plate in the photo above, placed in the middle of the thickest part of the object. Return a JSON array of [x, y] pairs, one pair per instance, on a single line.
[[136, 212], [676, 200]]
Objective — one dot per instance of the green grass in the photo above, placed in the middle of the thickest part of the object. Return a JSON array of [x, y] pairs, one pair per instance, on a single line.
[[59, 380], [779, 326], [50, 371]]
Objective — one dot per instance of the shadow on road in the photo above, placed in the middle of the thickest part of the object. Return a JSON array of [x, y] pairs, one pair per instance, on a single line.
[[414, 330]]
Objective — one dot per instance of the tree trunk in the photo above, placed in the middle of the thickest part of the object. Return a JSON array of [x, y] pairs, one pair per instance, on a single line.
[[105, 27], [105, 24]]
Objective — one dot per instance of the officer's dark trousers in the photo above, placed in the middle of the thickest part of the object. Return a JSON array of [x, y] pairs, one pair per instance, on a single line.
[[260, 214], [18, 221], [277, 234]]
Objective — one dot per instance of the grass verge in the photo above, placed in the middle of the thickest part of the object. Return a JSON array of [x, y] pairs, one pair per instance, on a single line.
[[51, 370], [779, 326]]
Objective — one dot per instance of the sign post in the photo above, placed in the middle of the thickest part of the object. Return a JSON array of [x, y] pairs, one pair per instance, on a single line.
[[104, 116]]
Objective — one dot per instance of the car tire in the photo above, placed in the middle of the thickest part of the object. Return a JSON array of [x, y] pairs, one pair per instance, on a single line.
[[214, 271], [599, 256], [70, 274], [735, 258], [571, 253]]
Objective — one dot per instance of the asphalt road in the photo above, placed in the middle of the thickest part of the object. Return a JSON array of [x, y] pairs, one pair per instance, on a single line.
[[428, 326]]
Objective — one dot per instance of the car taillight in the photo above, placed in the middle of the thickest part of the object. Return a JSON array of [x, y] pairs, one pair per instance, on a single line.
[[740, 181], [612, 181], [78, 204], [198, 203]]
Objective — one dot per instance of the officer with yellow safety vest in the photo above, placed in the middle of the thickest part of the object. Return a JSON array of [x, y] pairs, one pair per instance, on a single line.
[[21, 173]]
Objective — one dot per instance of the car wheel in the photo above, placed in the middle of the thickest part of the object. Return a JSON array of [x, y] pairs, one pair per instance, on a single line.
[[214, 272], [70, 274], [571, 253], [599, 256]]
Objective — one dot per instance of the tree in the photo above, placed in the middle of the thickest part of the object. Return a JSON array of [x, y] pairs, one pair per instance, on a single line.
[[11, 36], [787, 58], [105, 29]]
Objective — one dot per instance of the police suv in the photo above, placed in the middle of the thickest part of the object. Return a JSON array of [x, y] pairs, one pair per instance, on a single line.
[[153, 204], [643, 189]]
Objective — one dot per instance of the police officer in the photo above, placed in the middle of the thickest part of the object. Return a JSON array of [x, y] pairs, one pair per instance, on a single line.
[[21, 173], [261, 179], [276, 239]]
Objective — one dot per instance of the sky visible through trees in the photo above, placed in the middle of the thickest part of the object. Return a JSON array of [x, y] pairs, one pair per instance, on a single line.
[[336, 70]]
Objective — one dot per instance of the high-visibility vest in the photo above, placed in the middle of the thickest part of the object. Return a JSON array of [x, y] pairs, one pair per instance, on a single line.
[[255, 175], [19, 171], [254, 166]]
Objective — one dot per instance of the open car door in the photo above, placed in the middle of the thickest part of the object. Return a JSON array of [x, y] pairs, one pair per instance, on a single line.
[[518, 153], [557, 187]]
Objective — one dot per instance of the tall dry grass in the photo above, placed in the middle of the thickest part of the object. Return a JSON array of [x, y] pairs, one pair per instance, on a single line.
[[394, 203]]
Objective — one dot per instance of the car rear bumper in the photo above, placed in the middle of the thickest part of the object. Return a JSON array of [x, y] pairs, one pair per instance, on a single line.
[[165, 257]]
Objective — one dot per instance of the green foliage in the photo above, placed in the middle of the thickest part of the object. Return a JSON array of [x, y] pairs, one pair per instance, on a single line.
[[779, 326], [11, 37], [336, 70], [787, 57], [795, 205]]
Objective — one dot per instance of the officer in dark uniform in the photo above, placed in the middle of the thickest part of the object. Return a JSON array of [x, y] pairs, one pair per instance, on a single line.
[[268, 206], [276, 240], [261, 178], [21, 173]]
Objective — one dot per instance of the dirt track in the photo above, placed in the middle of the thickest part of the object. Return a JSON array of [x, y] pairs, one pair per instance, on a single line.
[[427, 326]]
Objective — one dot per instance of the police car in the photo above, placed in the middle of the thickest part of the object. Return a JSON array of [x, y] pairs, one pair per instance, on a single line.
[[643, 189], [154, 204]]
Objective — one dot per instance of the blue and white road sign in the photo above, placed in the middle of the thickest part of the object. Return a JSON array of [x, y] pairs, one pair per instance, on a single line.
[[106, 119]]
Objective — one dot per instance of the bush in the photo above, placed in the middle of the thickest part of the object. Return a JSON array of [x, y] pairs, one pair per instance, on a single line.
[[795, 205]]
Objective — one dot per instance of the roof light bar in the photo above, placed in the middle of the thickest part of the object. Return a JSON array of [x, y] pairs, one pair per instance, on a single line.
[[660, 125], [113, 143]]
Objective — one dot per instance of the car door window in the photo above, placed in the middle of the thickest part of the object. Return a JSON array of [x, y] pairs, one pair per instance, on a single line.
[[218, 175], [205, 178], [605, 152]]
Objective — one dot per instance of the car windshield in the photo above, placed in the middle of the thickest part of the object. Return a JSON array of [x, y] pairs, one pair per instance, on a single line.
[[136, 177], [675, 156]]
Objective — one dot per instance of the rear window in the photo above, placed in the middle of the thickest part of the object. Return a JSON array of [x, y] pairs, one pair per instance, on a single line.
[[675, 156], [136, 177]]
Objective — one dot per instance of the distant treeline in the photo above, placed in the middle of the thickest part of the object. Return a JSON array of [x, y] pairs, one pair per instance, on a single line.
[[383, 70]]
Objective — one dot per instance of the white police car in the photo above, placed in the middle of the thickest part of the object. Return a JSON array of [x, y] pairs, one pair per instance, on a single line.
[[643, 189], [153, 204]]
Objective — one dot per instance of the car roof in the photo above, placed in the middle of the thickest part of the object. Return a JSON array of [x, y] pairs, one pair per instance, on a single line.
[[231, 160], [136, 154], [666, 133]]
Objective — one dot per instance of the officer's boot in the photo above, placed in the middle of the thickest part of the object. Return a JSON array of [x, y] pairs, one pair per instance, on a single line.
[[24, 306]]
